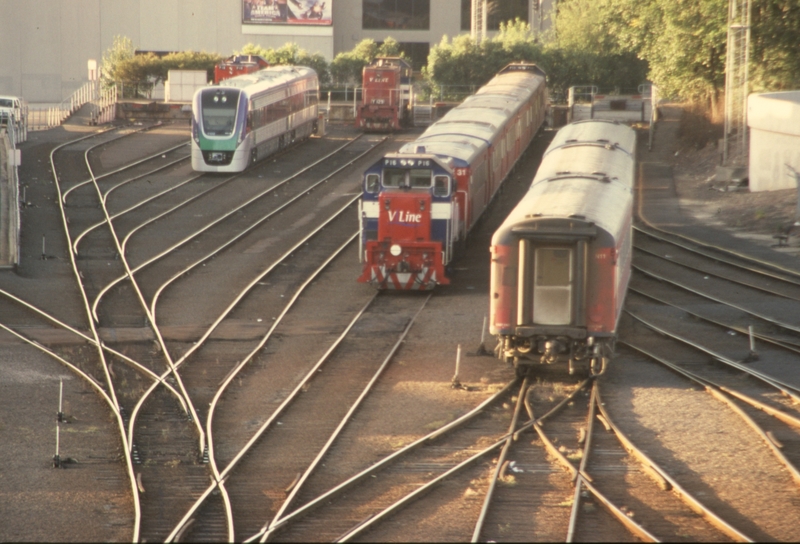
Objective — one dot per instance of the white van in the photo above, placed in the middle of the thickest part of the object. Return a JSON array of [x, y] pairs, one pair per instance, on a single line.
[[19, 108]]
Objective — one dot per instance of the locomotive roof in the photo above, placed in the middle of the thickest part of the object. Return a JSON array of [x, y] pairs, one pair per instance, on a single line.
[[268, 77]]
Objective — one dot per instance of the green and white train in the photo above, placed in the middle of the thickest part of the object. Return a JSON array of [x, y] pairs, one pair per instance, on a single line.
[[250, 117]]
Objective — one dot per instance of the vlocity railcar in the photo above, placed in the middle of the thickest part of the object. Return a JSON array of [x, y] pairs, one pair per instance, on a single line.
[[250, 117], [417, 204], [561, 261]]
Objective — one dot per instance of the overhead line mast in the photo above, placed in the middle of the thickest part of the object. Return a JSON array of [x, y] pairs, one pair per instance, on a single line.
[[479, 16], [736, 82]]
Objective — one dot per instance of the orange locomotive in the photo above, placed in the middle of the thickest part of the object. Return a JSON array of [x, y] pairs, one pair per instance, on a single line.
[[386, 96]]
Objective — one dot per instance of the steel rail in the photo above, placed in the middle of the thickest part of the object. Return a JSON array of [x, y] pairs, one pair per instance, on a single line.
[[361, 476], [347, 417], [720, 276], [579, 480], [252, 227], [122, 168], [220, 477], [178, 206], [223, 315], [580, 475], [512, 436], [97, 343], [755, 403], [209, 226], [134, 207], [754, 313], [789, 346], [770, 267], [787, 389], [714, 390], [138, 366], [667, 482], [140, 296], [454, 470]]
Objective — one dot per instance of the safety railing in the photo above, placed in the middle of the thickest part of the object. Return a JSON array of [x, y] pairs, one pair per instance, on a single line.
[[103, 105]]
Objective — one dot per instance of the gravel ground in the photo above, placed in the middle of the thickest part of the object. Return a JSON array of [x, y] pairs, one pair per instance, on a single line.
[[79, 508]]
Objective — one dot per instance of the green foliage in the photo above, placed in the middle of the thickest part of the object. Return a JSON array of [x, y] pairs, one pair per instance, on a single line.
[[462, 61], [290, 54], [120, 51], [346, 68], [684, 42], [583, 57], [137, 74], [774, 52]]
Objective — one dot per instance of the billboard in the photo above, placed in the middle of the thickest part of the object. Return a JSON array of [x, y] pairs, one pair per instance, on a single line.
[[287, 12]]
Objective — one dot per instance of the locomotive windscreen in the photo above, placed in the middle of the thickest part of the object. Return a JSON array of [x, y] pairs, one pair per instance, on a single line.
[[414, 178], [219, 111]]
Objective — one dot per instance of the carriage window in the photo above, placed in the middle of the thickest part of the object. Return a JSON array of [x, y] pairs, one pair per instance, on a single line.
[[393, 177], [420, 178], [441, 186], [373, 183]]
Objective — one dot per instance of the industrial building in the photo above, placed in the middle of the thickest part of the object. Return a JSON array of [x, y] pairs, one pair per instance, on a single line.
[[48, 46]]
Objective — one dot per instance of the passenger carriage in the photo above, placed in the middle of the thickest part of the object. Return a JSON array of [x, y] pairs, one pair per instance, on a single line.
[[250, 117], [561, 261]]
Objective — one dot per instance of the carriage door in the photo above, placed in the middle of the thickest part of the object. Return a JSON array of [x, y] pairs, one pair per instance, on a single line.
[[552, 285]]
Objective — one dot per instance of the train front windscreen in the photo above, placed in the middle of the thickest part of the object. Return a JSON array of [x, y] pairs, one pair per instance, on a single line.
[[219, 111]]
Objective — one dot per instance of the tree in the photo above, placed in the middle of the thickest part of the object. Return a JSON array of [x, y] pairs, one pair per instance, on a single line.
[[774, 52], [346, 68], [121, 50], [290, 54]]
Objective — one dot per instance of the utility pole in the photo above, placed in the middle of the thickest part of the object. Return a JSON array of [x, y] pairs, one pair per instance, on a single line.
[[735, 150]]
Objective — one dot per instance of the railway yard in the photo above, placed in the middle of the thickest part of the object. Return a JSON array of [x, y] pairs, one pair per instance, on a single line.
[[243, 386]]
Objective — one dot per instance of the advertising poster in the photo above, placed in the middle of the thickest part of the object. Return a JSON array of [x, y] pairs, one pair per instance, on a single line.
[[287, 12]]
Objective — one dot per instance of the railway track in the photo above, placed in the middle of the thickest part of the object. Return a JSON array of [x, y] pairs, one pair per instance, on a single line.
[[161, 409]]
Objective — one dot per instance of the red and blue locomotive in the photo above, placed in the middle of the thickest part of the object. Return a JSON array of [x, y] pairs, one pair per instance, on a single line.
[[419, 202], [561, 261]]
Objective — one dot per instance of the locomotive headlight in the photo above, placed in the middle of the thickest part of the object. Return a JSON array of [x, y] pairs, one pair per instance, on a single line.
[[395, 250]]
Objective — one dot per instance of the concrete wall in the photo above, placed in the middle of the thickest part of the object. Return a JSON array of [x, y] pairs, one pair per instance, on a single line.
[[46, 44], [774, 121]]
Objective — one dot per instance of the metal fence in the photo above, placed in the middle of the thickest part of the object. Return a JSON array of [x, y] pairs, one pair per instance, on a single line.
[[103, 107]]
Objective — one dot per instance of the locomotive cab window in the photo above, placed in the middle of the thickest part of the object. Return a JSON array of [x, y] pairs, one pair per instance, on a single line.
[[416, 178], [219, 112], [373, 183], [419, 178], [441, 186], [393, 177]]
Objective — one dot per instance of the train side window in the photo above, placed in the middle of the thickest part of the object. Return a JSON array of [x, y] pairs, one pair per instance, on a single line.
[[373, 183], [441, 186]]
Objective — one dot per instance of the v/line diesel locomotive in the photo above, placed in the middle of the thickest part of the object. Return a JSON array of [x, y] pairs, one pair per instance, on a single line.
[[386, 95], [419, 203], [250, 117], [561, 261]]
